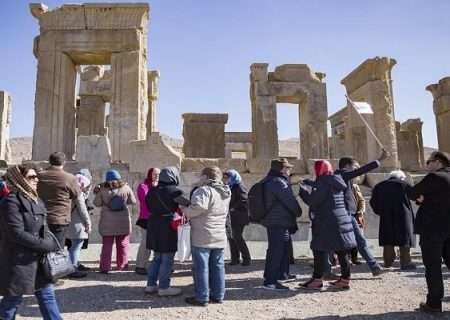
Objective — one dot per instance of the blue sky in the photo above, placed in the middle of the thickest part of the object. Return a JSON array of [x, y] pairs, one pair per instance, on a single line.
[[204, 48]]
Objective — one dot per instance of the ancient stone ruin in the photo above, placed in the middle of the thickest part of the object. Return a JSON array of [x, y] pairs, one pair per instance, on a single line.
[[5, 123], [441, 108]]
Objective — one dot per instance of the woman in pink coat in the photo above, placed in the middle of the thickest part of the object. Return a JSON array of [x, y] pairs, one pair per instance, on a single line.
[[143, 188]]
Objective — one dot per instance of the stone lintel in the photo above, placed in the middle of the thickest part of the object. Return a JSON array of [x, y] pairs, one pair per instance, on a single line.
[[378, 68], [295, 73], [92, 16], [412, 125], [238, 137], [206, 117]]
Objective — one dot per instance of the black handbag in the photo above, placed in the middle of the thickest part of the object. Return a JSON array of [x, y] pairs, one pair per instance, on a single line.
[[142, 223], [56, 265]]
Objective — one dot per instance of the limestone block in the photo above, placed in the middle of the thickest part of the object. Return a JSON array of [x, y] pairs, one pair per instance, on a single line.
[[204, 135], [153, 152], [197, 164], [94, 150], [294, 73], [258, 71], [239, 165], [258, 166], [91, 116]]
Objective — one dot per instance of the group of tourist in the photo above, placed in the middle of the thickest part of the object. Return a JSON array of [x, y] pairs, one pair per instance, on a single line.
[[42, 210]]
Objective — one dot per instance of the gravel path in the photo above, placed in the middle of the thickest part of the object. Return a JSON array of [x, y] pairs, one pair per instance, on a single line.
[[120, 295]]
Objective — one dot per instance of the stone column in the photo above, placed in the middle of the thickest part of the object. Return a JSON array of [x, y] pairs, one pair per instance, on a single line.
[[5, 123], [371, 82], [313, 117], [129, 104], [54, 125], [441, 108], [91, 116], [410, 144], [204, 135], [153, 93], [264, 115]]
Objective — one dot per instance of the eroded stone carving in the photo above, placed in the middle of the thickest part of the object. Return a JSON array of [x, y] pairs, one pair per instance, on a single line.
[[441, 108], [5, 124], [410, 144]]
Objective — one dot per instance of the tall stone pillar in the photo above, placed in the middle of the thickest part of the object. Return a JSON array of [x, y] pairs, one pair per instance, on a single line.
[[371, 82], [410, 144], [264, 115], [5, 123], [153, 93], [54, 125], [441, 108], [129, 104]]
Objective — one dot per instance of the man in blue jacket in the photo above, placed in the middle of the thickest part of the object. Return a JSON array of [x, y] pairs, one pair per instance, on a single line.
[[280, 220], [349, 170]]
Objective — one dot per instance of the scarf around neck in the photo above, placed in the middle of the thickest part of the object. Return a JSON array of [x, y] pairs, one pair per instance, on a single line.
[[17, 183]]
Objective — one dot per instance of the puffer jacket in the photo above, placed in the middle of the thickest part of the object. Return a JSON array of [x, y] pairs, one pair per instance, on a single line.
[[208, 213], [331, 225], [282, 206]]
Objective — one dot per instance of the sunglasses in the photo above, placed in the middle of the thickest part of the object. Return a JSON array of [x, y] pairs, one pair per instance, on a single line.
[[32, 177]]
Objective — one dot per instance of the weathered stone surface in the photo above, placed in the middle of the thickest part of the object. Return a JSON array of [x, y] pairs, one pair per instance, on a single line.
[[204, 135], [5, 123], [337, 141], [441, 108], [95, 150], [288, 84], [91, 116], [371, 82], [237, 143], [410, 145], [152, 152], [153, 93]]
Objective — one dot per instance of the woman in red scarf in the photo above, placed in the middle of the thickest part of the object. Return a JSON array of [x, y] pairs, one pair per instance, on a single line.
[[331, 226], [143, 188]]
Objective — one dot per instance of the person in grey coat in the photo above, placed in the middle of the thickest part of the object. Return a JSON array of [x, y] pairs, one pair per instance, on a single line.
[[331, 225]]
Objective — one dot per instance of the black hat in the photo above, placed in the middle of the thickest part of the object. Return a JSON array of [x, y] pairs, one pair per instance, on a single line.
[[279, 164]]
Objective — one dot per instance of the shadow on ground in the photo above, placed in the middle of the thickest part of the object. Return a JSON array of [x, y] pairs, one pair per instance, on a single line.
[[407, 315]]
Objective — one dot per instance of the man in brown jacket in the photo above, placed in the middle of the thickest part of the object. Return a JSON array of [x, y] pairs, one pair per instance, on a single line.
[[57, 188]]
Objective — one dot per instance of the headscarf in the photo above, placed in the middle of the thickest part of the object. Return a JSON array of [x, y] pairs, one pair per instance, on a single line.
[[149, 180], [17, 183], [323, 168], [82, 180], [170, 176], [85, 172], [234, 178]]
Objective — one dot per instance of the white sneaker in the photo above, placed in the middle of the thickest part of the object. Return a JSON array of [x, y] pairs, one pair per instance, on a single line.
[[171, 291], [151, 289]]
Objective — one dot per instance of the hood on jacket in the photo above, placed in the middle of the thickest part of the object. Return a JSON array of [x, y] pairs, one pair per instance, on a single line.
[[169, 176], [234, 178], [335, 181], [221, 188]]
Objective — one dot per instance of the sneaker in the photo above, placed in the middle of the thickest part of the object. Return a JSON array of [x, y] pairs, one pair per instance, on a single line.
[[169, 292], [341, 284], [215, 301], [151, 289], [77, 275], [195, 302], [141, 271], [376, 271], [288, 277], [331, 277], [312, 284], [276, 287], [83, 268], [410, 266], [425, 307]]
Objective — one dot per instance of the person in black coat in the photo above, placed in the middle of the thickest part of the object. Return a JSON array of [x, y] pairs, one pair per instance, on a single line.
[[433, 225], [237, 218], [348, 170], [24, 239], [283, 211], [390, 201], [331, 226], [162, 236]]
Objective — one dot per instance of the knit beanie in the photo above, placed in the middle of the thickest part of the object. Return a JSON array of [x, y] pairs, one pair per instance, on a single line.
[[112, 175]]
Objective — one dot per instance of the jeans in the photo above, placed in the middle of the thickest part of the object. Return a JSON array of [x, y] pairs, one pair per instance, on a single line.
[[432, 252], [277, 255], [122, 246], [322, 259], [160, 269], [46, 300], [209, 273], [238, 246], [74, 251], [59, 230], [363, 249]]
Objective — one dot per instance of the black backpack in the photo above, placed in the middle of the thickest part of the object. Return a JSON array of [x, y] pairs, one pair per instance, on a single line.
[[117, 203], [257, 209]]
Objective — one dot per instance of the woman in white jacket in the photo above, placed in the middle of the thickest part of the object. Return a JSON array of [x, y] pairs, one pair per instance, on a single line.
[[207, 213]]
